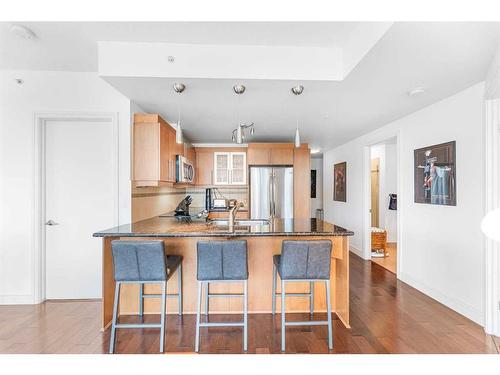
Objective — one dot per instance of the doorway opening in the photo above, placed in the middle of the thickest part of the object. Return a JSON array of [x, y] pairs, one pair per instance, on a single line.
[[383, 207]]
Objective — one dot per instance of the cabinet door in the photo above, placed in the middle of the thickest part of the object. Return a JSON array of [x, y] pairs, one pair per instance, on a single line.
[[146, 152], [165, 162], [204, 167], [172, 149], [259, 156], [282, 156], [238, 175], [221, 168]]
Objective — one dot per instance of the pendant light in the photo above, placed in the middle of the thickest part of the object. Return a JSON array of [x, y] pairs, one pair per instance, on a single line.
[[179, 88], [297, 90], [238, 134], [297, 136]]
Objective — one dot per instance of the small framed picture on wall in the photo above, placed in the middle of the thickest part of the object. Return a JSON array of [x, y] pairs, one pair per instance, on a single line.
[[340, 182]]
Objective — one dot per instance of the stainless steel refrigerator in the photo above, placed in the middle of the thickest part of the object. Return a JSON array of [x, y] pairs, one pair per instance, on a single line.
[[271, 192]]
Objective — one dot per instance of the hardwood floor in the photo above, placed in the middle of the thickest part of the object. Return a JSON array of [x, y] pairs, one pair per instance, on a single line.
[[387, 316], [390, 262]]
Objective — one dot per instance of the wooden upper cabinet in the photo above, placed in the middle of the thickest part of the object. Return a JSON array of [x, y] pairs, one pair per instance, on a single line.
[[230, 168], [238, 171], [270, 154], [258, 155], [221, 166], [146, 151], [282, 155], [204, 166], [153, 151]]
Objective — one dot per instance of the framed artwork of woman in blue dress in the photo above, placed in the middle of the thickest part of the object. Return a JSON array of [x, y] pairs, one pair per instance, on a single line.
[[435, 174]]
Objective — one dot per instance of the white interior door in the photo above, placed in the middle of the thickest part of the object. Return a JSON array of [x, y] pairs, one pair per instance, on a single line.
[[80, 193]]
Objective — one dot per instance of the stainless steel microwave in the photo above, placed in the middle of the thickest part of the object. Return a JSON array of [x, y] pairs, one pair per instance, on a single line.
[[184, 170]]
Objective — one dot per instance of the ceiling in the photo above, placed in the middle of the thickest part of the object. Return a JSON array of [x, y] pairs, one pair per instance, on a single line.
[[444, 58], [72, 46]]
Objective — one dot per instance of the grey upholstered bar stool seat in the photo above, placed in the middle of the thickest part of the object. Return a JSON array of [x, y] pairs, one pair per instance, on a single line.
[[142, 262], [303, 261], [222, 262]]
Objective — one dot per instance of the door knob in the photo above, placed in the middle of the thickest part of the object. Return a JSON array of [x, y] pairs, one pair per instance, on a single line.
[[51, 222]]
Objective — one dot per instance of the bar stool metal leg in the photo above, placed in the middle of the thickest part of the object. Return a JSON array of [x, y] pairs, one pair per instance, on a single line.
[[275, 271], [283, 323], [112, 339], [163, 313], [179, 288], [198, 311], [207, 299], [141, 299], [311, 297], [329, 312], [245, 316]]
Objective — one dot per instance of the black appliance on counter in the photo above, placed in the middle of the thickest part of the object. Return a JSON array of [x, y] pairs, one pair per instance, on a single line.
[[182, 209], [208, 199]]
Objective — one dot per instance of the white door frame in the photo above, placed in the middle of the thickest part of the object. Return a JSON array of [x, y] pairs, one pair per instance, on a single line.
[[39, 131], [367, 198], [492, 201]]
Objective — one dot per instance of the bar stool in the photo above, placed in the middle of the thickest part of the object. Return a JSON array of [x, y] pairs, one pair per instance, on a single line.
[[222, 262], [141, 262], [172, 266], [303, 261]]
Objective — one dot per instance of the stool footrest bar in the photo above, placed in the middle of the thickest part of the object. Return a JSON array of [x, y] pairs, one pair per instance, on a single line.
[[171, 295], [295, 294], [308, 323], [226, 295], [228, 324], [143, 325]]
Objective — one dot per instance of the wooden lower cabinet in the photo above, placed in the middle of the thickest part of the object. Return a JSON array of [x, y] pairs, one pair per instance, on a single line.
[[260, 266]]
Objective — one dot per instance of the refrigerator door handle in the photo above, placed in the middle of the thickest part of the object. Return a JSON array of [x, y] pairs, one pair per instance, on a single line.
[[274, 193], [270, 190]]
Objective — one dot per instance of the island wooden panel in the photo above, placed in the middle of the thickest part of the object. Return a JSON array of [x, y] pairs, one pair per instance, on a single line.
[[260, 252]]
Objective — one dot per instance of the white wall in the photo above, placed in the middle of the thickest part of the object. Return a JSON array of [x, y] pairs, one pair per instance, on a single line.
[[441, 246], [317, 163], [43, 92]]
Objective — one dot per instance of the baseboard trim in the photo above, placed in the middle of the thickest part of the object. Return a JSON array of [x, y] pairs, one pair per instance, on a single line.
[[10, 299], [470, 312], [356, 251]]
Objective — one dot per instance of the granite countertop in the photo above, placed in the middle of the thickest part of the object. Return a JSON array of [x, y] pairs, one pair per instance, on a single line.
[[171, 227]]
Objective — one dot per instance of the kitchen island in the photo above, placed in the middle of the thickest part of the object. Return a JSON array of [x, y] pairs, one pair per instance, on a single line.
[[263, 240]]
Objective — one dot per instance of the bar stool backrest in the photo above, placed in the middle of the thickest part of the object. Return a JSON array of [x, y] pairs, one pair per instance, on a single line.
[[222, 260], [138, 260], [305, 259]]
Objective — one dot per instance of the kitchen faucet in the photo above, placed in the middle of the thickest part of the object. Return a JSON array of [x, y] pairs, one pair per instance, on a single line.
[[232, 214]]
